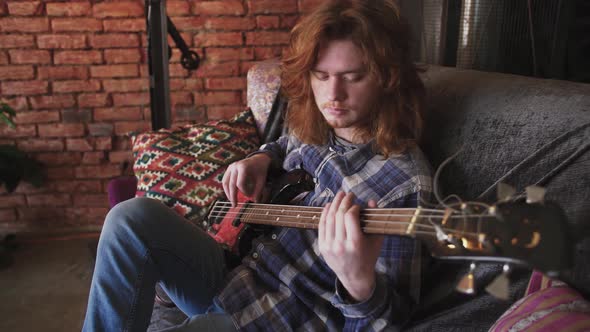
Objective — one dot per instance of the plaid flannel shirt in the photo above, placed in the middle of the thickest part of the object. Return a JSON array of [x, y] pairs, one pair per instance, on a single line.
[[284, 284]]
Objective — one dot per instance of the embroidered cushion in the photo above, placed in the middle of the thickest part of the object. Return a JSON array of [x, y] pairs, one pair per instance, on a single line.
[[184, 167]]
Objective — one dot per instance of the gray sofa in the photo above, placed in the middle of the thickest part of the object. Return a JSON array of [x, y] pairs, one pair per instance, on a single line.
[[512, 129]]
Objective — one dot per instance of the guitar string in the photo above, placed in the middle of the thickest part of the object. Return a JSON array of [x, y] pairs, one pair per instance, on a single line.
[[274, 206], [372, 221]]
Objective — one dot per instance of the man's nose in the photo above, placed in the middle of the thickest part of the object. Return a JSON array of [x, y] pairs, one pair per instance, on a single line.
[[336, 89]]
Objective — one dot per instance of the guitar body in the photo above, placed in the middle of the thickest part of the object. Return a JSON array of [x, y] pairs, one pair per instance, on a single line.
[[223, 221]]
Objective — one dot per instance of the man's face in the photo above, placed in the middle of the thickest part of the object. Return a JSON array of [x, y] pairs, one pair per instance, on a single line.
[[344, 91]]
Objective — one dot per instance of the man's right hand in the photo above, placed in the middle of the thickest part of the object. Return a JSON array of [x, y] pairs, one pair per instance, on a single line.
[[248, 176]]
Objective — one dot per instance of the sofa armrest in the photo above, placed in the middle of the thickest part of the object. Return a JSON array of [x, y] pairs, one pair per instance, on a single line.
[[121, 189]]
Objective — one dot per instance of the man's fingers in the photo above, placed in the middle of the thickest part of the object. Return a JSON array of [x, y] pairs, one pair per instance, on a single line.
[[322, 224], [352, 224], [233, 193], [340, 227]]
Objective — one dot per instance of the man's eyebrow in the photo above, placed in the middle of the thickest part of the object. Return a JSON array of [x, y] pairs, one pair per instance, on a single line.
[[352, 71]]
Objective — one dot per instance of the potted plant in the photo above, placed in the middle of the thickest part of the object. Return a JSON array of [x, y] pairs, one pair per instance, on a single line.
[[15, 165]]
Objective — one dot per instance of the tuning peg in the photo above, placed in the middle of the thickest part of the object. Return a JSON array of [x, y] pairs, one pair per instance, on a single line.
[[535, 194], [505, 191], [499, 287], [467, 284]]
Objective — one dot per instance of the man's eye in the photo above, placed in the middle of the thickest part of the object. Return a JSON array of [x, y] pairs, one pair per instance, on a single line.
[[353, 77], [320, 76]]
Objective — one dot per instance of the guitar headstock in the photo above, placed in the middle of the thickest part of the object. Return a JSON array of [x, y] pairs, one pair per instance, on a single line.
[[529, 234]]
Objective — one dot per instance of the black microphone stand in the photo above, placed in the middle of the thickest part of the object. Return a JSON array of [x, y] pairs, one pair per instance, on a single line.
[[158, 54]]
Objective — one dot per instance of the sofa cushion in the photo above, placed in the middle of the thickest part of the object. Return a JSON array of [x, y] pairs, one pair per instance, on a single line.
[[184, 167]]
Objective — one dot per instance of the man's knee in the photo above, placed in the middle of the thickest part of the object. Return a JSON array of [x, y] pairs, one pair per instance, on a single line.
[[131, 214]]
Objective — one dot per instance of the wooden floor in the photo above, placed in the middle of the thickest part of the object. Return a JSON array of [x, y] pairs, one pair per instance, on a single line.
[[46, 287]]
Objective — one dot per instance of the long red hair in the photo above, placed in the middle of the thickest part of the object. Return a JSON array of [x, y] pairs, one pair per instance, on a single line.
[[375, 26]]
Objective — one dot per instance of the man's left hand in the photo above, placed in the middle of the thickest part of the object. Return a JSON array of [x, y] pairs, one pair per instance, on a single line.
[[349, 252]]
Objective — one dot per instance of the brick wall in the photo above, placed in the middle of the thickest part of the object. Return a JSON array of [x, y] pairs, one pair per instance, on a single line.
[[76, 74]]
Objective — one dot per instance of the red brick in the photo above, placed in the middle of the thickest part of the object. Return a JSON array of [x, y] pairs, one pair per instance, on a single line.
[[16, 73], [7, 215], [209, 69], [126, 85], [69, 8], [29, 57], [76, 24], [93, 158], [24, 87], [8, 201], [76, 86], [190, 84], [125, 25], [267, 22], [117, 9], [120, 156], [19, 131], [76, 115], [307, 6], [103, 143], [176, 70], [132, 55], [181, 98], [267, 38], [218, 8], [16, 41], [229, 83], [52, 101], [66, 172], [25, 8], [61, 130], [185, 24], [289, 21], [128, 70], [126, 127], [17, 103], [245, 66], [61, 41], [90, 215], [79, 144], [120, 113], [223, 112], [63, 72], [106, 171], [91, 200], [218, 98], [178, 8], [58, 159], [272, 6], [100, 129], [76, 186], [78, 57], [42, 144], [37, 117], [26, 25], [113, 40], [230, 23], [93, 99], [264, 53], [49, 200], [224, 54], [218, 39], [3, 57], [131, 99]]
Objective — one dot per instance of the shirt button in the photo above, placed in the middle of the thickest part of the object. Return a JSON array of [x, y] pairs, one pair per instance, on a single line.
[[255, 255], [274, 236]]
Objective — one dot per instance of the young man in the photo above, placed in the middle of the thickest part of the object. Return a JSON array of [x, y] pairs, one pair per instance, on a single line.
[[354, 117]]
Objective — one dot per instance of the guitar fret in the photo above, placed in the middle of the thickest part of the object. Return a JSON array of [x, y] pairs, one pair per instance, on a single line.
[[410, 229]]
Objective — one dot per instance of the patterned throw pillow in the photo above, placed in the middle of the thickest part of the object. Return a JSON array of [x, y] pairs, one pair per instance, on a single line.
[[183, 167]]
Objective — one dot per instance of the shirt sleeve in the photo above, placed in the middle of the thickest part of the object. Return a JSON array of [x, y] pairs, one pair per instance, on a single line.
[[279, 150]]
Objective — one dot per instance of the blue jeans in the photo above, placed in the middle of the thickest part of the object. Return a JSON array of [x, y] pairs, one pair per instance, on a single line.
[[144, 242]]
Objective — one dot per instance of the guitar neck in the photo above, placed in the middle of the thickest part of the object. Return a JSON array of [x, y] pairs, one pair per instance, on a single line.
[[373, 221]]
